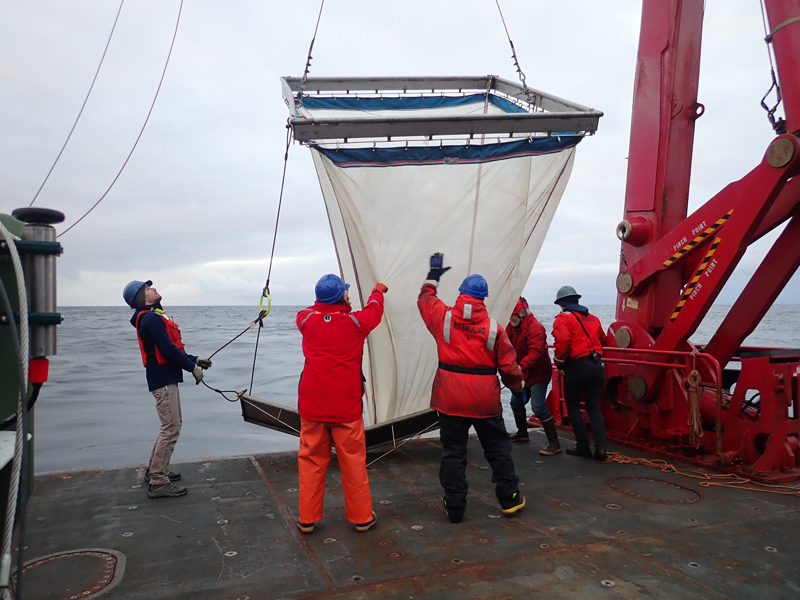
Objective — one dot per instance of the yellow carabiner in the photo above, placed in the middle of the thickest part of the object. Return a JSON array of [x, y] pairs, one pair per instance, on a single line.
[[261, 304]]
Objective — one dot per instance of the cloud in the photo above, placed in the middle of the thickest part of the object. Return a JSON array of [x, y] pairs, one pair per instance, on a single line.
[[196, 205]]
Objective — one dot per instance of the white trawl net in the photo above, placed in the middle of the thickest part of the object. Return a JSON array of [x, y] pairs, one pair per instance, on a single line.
[[488, 217]]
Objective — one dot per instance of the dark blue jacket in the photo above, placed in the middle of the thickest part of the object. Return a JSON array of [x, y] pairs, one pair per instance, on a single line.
[[153, 332]]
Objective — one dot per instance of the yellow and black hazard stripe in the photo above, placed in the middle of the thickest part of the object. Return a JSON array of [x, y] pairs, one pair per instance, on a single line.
[[699, 239], [696, 278]]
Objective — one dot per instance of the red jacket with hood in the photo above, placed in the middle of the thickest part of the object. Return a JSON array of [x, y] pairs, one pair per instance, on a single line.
[[333, 345], [472, 348], [530, 342]]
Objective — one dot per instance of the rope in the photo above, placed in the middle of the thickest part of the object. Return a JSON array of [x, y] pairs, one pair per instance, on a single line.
[[163, 73], [102, 58], [514, 54], [695, 420], [727, 480]]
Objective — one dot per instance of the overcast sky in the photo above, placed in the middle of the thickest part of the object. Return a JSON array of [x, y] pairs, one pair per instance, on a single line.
[[194, 210]]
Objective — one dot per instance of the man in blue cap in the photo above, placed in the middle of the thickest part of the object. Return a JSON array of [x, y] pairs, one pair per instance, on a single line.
[[164, 359], [472, 348]]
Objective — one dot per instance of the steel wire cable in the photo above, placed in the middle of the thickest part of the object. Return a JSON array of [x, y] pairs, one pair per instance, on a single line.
[[91, 87], [513, 50], [22, 343], [139, 137]]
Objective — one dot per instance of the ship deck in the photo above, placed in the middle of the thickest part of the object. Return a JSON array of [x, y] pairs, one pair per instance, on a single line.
[[590, 530]]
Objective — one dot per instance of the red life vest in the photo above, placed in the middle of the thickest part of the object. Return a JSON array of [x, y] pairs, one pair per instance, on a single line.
[[173, 333]]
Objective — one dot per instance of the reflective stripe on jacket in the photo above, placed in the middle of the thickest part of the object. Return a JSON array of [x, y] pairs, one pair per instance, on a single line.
[[472, 347], [571, 342], [530, 342], [331, 387]]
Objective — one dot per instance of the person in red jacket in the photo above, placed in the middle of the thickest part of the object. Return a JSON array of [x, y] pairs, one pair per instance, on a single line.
[[579, 340], [529, 338], [472, 347], [329, 401]]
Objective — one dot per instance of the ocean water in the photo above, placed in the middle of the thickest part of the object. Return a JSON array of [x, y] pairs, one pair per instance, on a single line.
[[95, 410]]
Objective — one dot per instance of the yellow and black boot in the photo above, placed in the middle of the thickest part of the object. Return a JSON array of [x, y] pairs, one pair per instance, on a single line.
[[522, 428]]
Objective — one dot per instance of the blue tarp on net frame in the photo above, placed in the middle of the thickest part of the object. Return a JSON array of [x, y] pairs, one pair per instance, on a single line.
[[406, 102], [436, 155]]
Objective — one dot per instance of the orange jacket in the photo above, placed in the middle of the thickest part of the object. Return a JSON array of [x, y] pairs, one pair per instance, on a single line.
[[330, 387], [472, 347], [571, 341]]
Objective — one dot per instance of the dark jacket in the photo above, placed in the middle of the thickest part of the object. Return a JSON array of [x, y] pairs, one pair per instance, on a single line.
[[153, 331]]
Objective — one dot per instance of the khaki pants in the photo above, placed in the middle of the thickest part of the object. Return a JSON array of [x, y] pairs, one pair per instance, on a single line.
[[312, 465], [168, 406]]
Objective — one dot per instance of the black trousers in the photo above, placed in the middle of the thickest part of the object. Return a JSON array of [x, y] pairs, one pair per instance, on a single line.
[[584, 378], [454, 434]]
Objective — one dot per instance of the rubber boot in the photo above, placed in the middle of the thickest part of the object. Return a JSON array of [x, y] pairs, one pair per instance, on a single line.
[[553, 446], [522, 428]]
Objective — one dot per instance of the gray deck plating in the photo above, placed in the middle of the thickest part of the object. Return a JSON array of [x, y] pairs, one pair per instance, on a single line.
[[233, 535]]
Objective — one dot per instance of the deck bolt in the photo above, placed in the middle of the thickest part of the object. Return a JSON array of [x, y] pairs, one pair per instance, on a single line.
[[243, 598], [692, 520], [494, 516], [457, 561], [613, 506], [222, 522], [385, 501], [770, 549], [138, 485], [134, 507], [291, 490], [330, 540], [607, 583], [416, 527], [621, 531], [127, 534], [356, 578], [544, 546], [694, 565], [231, 553], [211, 479]]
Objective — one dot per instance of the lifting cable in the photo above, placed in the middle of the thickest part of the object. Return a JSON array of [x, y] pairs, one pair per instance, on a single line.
[[80, 112], [779, 126], [163, 73], [728, 480], [514, 54], [265, 293]]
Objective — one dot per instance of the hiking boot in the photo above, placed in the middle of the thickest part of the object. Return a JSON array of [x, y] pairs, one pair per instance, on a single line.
[[522, 428], [455, 516], [600, 455], [172, 476], [520, 504], [553, 446], [305, 527], [578, 452], [165, 490], [369, 524]]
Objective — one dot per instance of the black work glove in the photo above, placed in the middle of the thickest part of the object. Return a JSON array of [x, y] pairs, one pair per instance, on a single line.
[[437, 270]]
